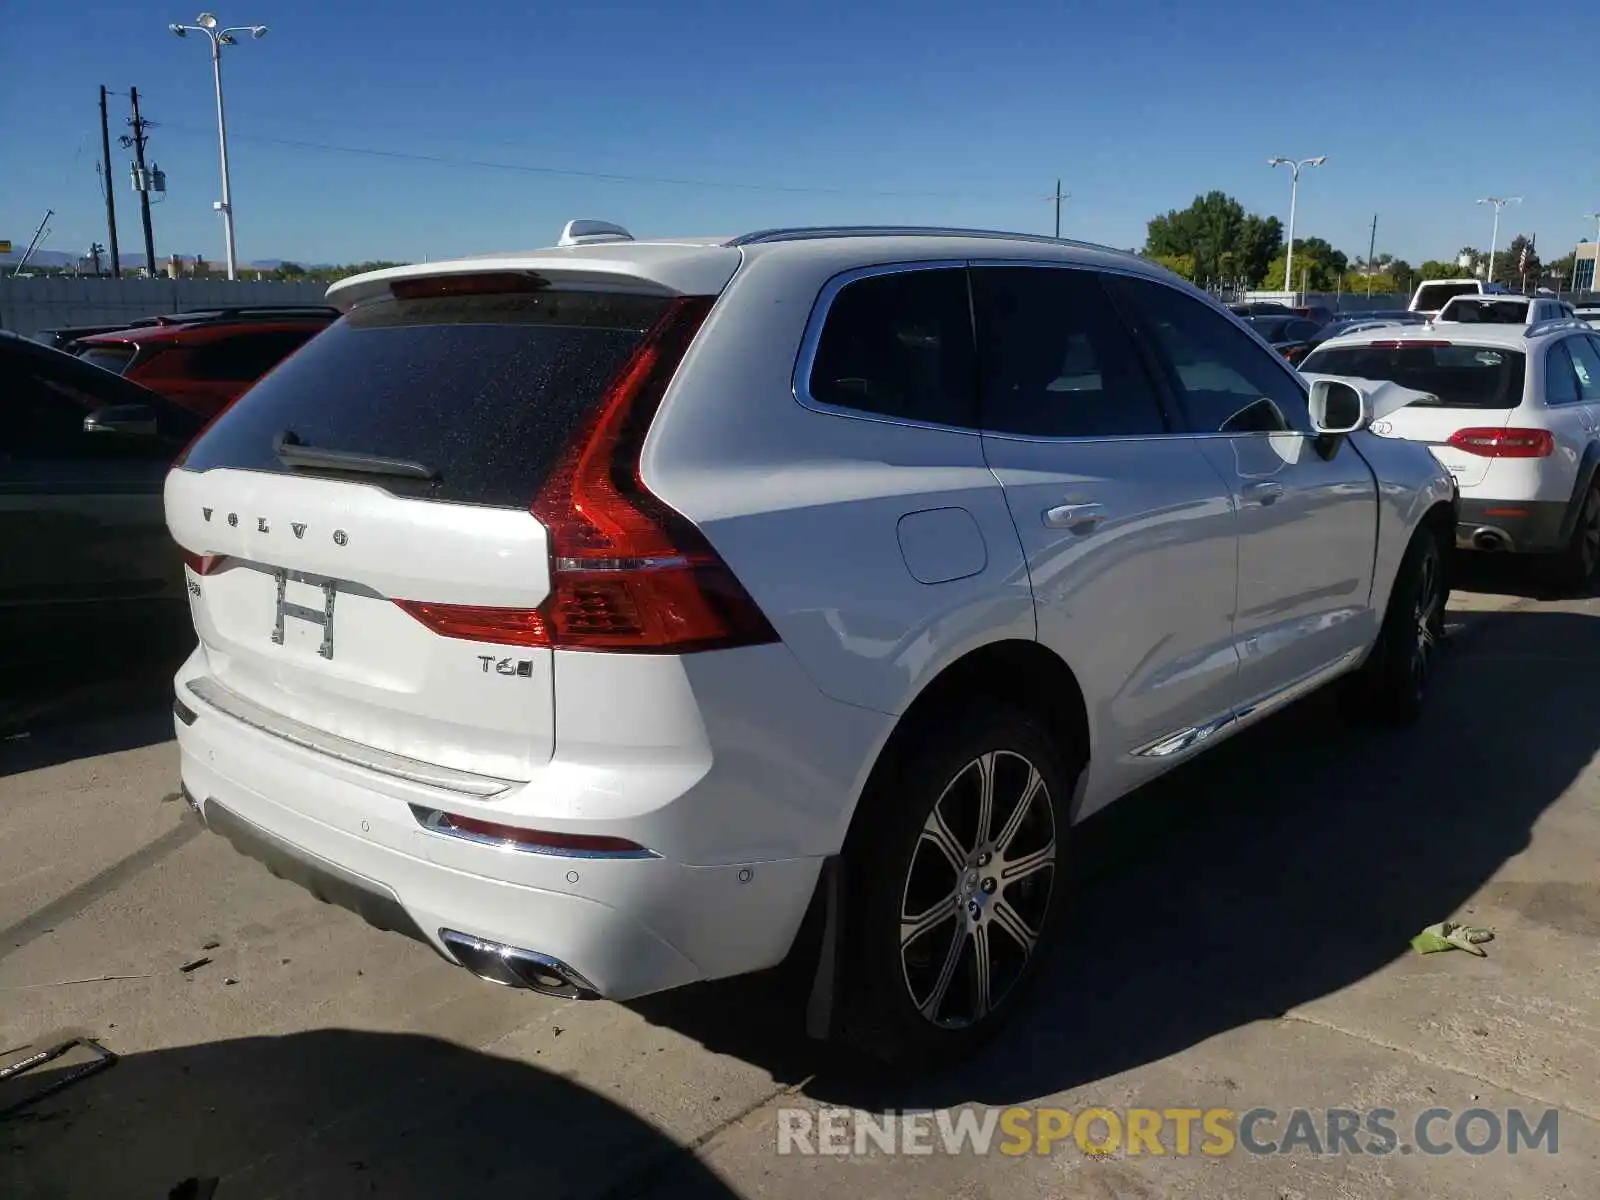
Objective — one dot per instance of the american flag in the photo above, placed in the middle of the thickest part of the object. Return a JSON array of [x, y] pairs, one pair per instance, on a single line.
[[1527, 253]]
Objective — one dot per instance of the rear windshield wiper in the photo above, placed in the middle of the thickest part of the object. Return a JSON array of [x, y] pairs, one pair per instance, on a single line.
[[292, 452]]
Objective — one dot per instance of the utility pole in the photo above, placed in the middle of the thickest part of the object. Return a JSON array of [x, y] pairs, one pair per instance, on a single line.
[[33, 245], [111, 203], [1372, 247], [137, 141], [1058, 196]]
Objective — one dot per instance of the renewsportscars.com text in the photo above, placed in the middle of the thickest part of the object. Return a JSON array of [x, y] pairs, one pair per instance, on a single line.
[[1180, 1132]]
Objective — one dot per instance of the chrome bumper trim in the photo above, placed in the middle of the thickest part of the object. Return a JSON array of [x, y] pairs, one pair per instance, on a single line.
[[307, 737]]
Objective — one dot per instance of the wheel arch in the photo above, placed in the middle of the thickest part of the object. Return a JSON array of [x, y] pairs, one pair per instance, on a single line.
[[1015, 671], [1588, 465]]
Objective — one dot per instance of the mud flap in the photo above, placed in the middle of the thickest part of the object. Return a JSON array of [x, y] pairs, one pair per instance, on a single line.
[[820, 1007]]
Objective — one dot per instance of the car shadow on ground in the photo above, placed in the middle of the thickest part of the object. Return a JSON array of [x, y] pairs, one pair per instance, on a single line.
[[330, 1113], [71, 710], [1293, 861], [1531, 578]]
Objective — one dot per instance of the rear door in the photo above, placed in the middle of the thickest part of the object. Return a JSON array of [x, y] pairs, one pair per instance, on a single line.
[[1569, 366], [1307, 523], [1478, 387], [474, 397], [1127, 529]]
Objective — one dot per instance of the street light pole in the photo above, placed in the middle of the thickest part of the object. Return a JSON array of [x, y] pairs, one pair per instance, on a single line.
[[206, 23], [1499, 203], [1294, 195]]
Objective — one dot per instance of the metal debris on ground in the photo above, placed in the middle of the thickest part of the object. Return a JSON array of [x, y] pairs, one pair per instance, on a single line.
[[1450, 935], [193, 965], [102, 1060]]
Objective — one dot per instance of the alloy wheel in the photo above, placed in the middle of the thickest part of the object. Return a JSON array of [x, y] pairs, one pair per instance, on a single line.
[[1426, 621], [973, 905], [1589, 534]]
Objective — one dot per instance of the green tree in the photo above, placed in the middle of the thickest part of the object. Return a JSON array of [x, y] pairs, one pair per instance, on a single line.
[[1507, 263], [1561, 268], [1316, 264], [1178, 264], [1260, 239], [1211, 231]]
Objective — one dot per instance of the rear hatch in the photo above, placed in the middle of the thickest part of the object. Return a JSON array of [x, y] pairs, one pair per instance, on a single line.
[[382, 476], [1476, 387]]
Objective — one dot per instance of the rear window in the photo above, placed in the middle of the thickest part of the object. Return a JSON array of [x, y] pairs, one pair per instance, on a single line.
[[484, 390], [1433, 296], [1460, 376], [111, 358], [1478, 311]]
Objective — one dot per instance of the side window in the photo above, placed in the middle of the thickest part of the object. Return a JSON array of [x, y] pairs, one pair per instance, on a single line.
[[246, 357], [1560, 383], [1226, 382], [1300, 331], [900, 345], [1586, 362], [1054, 358]]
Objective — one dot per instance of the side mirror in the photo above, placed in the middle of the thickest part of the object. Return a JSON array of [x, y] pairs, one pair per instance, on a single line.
[[130, 420], [1338, 407]]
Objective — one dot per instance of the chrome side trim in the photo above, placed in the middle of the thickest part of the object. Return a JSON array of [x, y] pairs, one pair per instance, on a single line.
[[307, 737], [1183, 739], [432, 819], [1284, 695]]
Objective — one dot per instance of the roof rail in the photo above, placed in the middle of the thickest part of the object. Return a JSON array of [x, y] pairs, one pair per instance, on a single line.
[[1558, 323], [244, 312], [811, 233]]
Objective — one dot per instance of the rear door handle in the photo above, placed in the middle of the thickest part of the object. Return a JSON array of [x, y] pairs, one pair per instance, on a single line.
[[1080, 518], [1263, 492]]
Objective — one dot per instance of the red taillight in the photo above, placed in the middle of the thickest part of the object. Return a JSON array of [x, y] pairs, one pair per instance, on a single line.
[[203, 564], [531, 839], [626, 571], [1504, 443]]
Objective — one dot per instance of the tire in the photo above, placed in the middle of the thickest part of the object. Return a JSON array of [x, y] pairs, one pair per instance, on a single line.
[[1391, 686], [1575, 567], [916, 863]]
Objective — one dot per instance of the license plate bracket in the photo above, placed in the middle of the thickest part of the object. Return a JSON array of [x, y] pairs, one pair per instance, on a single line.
[[286, 608]]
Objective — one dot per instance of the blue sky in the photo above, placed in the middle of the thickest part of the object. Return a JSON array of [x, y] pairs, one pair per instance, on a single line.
[[928, 112]]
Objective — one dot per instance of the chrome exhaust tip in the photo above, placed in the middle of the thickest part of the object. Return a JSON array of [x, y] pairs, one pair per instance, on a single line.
[[511, 967], [1490, 540]]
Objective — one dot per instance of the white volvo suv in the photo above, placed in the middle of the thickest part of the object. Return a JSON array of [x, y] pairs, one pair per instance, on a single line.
[[595, 614]]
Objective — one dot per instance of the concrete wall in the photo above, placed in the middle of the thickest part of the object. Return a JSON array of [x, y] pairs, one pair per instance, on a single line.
[[29, 305]]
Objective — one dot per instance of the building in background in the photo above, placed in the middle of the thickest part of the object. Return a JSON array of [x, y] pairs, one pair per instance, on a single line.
[[1583, 267]]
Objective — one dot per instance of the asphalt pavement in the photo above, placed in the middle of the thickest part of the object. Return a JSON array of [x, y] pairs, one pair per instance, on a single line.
[[1239, 941]]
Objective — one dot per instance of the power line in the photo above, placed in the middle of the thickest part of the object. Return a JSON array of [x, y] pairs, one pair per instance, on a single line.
[[607, 176]]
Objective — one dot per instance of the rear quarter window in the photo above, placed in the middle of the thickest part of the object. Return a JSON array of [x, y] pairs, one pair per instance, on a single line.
[[1461, 376], [900, 345], [485, 390]]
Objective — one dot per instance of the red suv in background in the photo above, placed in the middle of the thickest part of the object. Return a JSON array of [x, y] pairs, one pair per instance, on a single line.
[[205, 360]]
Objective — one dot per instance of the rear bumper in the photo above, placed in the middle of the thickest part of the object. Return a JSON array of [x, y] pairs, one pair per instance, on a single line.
[[619, 927], [1519, 526]]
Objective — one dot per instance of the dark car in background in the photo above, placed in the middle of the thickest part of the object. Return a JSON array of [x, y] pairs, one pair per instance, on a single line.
[[205, 360], [89, 568], [1290, 336], [1348, 322]]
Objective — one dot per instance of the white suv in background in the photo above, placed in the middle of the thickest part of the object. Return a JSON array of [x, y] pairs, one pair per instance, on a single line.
[[1432, 296], [1514, 412], [593, 614]]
